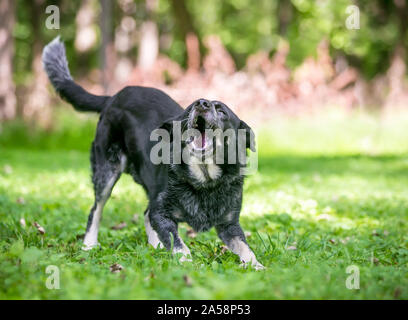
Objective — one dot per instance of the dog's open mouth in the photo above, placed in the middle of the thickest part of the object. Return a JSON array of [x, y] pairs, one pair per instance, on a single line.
[[201, 142]]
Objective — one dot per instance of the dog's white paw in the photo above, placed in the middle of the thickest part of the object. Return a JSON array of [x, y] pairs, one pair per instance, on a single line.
[[186, 258], [90, 246], [256, 265], [186, 254], [259, 266]]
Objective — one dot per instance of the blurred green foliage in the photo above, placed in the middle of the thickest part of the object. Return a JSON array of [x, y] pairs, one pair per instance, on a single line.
[[244, 27]]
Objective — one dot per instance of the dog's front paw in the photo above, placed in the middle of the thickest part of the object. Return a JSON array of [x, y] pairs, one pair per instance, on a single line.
[[256, 265], [185, 254], [89, 246], [259, 266], [186, 258]]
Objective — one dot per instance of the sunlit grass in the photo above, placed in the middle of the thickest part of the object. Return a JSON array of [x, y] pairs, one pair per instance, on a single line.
[[332, 187]]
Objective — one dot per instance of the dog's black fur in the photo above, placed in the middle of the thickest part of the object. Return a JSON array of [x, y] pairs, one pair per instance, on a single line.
[[122, 144]]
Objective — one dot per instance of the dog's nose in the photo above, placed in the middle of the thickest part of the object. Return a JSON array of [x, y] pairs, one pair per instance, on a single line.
[[203, 104]]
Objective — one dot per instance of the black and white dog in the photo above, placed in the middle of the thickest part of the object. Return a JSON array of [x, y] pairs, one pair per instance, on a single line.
[[202, 193]]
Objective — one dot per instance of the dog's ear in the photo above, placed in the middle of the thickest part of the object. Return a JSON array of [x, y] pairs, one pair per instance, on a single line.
[[250, 136], [167, 125]]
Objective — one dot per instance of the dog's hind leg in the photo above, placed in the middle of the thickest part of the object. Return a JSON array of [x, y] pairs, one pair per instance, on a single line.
[[106, 172], [152, 236]]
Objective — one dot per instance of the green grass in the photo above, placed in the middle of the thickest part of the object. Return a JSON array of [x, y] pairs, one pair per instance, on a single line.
[[334, 187]]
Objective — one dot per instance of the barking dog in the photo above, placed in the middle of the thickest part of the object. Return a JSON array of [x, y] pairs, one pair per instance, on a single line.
[[204, 194]]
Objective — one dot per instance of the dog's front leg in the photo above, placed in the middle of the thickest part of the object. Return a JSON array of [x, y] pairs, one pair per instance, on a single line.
[[160, 229], [233, 236]]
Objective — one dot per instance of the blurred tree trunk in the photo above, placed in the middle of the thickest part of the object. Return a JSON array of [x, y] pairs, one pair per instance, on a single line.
[[397, 70], [402, 12], [37, 106], [285, 14], [107, 52], [125, 34], [149, 42], [188, 33], [7, 89], [85, 37]]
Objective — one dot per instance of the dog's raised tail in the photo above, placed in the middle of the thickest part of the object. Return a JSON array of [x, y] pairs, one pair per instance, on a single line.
[[56, 65]]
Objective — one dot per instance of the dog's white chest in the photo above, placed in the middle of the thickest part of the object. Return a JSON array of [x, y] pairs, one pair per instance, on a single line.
[[204, 172]]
